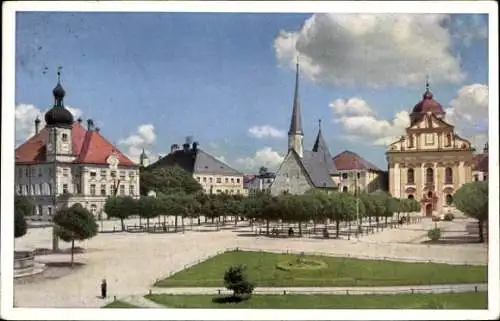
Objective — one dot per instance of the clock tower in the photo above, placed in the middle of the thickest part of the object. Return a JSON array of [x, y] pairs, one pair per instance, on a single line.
[[59, 123]]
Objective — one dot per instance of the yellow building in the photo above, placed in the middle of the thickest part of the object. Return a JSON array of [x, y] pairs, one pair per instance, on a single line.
[[430, 161]]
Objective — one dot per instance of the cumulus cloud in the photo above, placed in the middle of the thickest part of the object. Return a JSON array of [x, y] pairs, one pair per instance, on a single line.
[[372, 49], [352, 106], [143, 138], [469, 28], [25, 115], [266, 131], [264, 157], [470, 105]]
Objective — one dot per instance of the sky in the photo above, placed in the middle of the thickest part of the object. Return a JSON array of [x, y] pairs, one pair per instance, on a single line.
[[149, 80]]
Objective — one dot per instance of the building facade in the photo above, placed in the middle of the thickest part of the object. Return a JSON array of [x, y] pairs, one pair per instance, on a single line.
[[259, 183], [480, 168], [65, 163], [303, 170], [356, 173], [214, 176], [430, 161]]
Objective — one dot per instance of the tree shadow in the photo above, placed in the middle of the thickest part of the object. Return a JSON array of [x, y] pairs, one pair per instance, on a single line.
[[454, 240], [229, 299], [45, 251]]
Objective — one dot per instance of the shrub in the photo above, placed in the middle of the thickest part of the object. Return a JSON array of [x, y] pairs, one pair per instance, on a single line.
[[236, 280], [448, 217], [434, 234]]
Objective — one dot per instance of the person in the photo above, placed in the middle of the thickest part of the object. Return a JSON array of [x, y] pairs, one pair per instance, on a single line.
[[104, 288]]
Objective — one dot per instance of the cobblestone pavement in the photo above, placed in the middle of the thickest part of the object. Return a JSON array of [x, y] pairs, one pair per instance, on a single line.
[[131, 262]]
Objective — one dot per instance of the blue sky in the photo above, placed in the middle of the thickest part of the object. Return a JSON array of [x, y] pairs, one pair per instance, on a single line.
[[215, 76]]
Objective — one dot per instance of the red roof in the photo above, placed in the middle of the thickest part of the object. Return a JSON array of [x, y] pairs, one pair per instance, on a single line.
[[428, 104], [348, 160], [481, 163], [89, 147]]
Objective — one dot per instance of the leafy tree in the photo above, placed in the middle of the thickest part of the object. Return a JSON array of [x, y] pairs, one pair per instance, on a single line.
[[434, 234], [168, 180], [252, 208], [472, 200], [263, 170], [271, 209], [236, 280], [369, 206], [322, 202], [75, 224], [380, 205], [345, 208], [22, 207], [149, 207], [120, 207]]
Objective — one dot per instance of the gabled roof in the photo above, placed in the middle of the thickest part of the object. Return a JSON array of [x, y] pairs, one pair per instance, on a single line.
[[348, 160], [480, 163], [195, 161], [89, 147], [318, 168]]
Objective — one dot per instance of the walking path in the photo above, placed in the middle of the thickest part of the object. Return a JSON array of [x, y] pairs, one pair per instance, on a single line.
[[141, 302]]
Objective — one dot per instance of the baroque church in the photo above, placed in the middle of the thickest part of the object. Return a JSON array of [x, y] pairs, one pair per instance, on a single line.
[[303, 170], [65, 163], [430, 161]]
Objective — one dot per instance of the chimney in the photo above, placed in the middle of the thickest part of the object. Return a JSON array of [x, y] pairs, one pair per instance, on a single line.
[[79, 120], [173, 148], [185, 147], [97, 129], [195, 146], [37, 125], [90, 124]]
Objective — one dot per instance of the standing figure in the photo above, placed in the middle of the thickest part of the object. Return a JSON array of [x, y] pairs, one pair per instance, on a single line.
[[104, 288]]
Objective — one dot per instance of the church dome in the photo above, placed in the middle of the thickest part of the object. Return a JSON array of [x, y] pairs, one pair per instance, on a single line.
[[427, 104]]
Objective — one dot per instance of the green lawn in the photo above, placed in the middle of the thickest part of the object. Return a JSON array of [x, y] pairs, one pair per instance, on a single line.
[[119, 305], [401, 301], [339, 272]]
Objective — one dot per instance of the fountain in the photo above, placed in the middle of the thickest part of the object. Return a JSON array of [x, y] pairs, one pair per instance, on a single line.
[[25, 265]]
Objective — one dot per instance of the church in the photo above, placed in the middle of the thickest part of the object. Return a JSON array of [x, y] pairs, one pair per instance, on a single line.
[[303, 170], [65, 163], [430, 161]]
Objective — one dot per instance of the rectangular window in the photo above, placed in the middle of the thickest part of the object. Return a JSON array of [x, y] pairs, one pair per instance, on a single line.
[[103, 190], [65, 189], [111, 190], [92, 189], [39, 172], [226, 180], [33, 172], [219, 180], [50, 172], [49, 209], [122, 175], [122, 189], [204, 179], [232, 180], [238, 180], [20, 172], [104, 173], [210, 179], [65, 172], [131, 190], [27, 172], [199, 178], [93, 174], [219, 191], [113, 173], [344, 175], [429, 139]]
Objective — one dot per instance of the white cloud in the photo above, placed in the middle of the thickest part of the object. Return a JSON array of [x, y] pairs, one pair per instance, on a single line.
[[263, 157], [143, 138], [469, 106], [352, 106], [25, 115], [372, 49], [266, 131], [469, 28]]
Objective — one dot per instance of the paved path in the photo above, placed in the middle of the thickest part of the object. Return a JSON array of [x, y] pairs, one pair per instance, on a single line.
[[132, 262], [361, 290], [140, 301]]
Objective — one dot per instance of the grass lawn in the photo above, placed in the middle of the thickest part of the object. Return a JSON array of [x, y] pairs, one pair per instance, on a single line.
[[119, 305], [401, 301], [339, 272]]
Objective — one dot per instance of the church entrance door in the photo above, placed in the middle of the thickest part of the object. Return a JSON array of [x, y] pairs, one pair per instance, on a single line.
[[428, 210]]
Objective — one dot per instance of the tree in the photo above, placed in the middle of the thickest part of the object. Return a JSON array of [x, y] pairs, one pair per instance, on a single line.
[[322, 201], [75, 224], [149, 207], [380, 205], [236, 280], [369, 206], [22, 207], [120, 207], [263, 170], [472, 200], [168, 180]]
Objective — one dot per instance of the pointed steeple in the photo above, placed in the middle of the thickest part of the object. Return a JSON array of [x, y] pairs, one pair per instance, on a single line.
[[321, 148], [143, 159], [296, 121]]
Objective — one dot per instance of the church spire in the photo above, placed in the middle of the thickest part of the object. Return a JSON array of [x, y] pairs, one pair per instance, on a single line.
[[321, 148], [295, 134]]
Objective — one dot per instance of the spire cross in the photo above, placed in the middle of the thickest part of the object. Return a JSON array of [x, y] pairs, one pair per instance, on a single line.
[[59, 74], [427, 82], [319, 121]]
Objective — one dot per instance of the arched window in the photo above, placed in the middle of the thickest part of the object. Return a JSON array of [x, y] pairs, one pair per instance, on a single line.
[[411, 176], [448, 175], [411, 196], [429, 176], [476, 178], [429, 195], [344, 189], [410, 142], [448, 140], [449, 199]]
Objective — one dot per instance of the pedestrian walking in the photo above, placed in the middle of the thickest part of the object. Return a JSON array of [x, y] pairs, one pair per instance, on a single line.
[[104, 288]]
